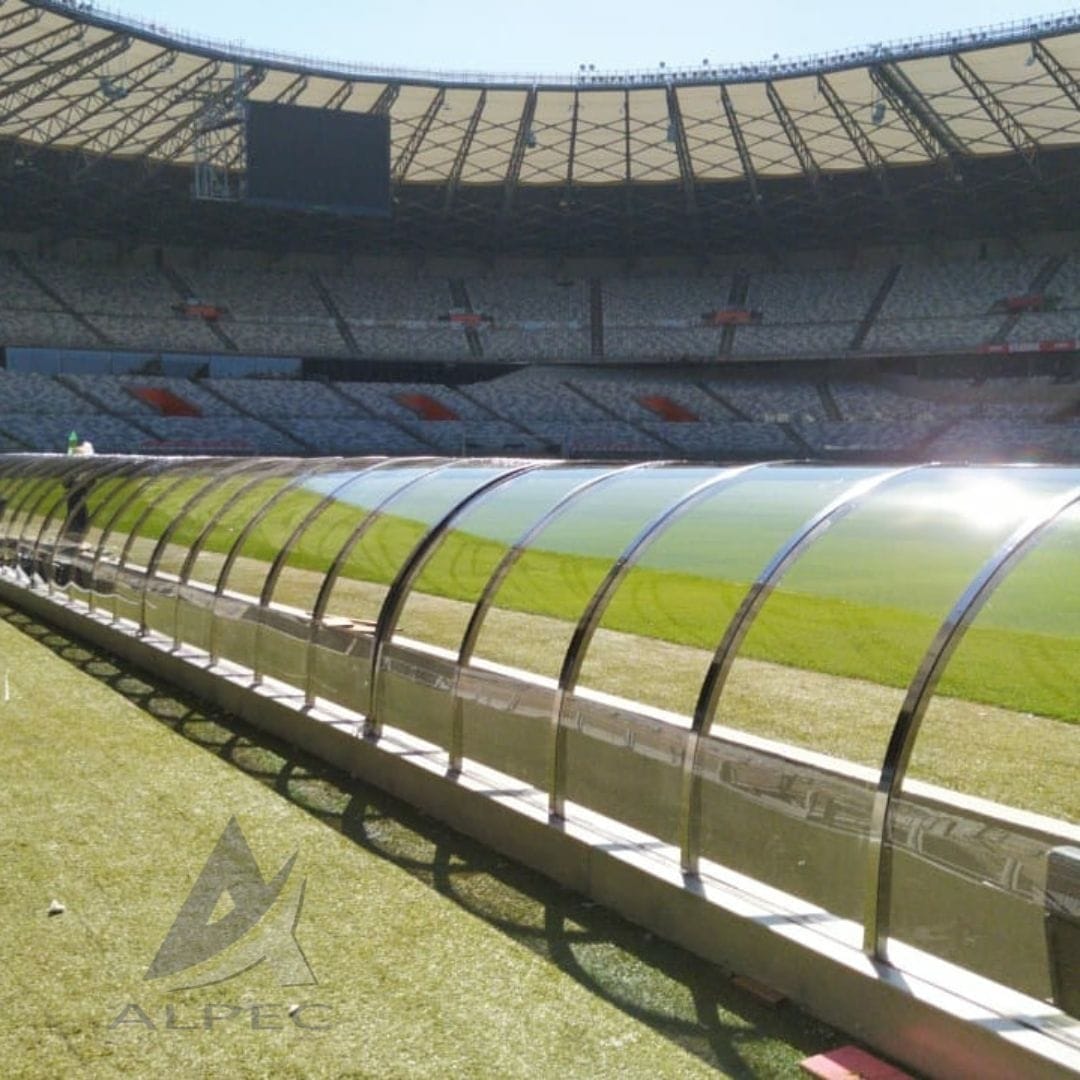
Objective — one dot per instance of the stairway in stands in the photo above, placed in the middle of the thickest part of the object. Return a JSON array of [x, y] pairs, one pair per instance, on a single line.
[[460, 298], [1038, 285], [267, 421], [737, 294], [102, 406], [334, 311], [875, 307], [185, 292], [649, 436], [596, 319]]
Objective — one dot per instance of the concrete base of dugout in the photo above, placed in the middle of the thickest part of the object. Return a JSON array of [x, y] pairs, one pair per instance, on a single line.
[[970, 1029]]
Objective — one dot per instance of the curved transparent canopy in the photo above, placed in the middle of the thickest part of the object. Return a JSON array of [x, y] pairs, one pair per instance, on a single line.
[[719, 661]]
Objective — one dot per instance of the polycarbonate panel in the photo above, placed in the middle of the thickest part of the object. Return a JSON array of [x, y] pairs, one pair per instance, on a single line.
[[660, 628], [339, 668], [19, 497], [40, 498], [120, 527], [826, 663], [80, 566], [68, 541], [15, 475], [135, 537], [536, 609], [175, 542], [992, 784], [539, 603], [286, 628], [205, 558], [246, 576], [658, 634], [444, 596]]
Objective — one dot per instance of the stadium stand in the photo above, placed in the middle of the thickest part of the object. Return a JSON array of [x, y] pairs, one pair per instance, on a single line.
[[268, 312], [951, 306]]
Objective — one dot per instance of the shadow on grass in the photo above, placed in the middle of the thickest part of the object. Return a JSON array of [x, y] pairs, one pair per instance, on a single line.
[[686, 999]]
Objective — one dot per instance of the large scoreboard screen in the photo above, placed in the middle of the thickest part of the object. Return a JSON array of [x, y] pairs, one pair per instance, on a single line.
[[318, 159]]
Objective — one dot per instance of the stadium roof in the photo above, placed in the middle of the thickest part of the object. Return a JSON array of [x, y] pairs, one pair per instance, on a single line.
[[75, 79]]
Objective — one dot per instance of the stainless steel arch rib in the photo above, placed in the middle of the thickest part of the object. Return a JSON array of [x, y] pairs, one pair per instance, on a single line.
[[27, 499], [39, 472], [206, 489], [282, 468], [919, 692], [272, 575], [74, 500], [118, 498], [395, 596], [498, 576], [334, 572], [737, 629], [318, 468], [594, 612], [182, 473]]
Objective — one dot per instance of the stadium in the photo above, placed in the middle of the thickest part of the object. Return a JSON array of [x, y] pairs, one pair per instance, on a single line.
[[641, 506]]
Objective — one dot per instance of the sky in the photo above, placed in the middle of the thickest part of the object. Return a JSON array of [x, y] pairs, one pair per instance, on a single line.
[[555, 36]]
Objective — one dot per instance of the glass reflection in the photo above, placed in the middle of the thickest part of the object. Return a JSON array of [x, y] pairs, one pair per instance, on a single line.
[[658, 632], [991, 787], [442, 603], [825, 665], [541, 600], [443, 597]]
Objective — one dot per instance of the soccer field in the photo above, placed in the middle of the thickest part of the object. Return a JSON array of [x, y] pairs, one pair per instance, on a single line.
[[433, 956]]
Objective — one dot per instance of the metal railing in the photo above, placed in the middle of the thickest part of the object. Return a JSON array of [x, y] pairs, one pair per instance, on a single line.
[[587, 76]]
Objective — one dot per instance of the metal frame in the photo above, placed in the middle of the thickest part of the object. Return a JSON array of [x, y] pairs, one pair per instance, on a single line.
[[454, 179], [416, 139], [483, 604], [266, 596], [860, 140], [252, 524], [36, 496], [77, 111], [18, 495], [131, 124], [85, 60], [594, 612], [396, 595], [738, 627], [803, 153], [521, 143], [150, 570], [260, 516], [999, 115], [107, 531], [919, 693], [108, 469], [682, 151], [284, 466], [334, 571], [1058, 72], [120, 498], [933, 135], [31, 483]]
